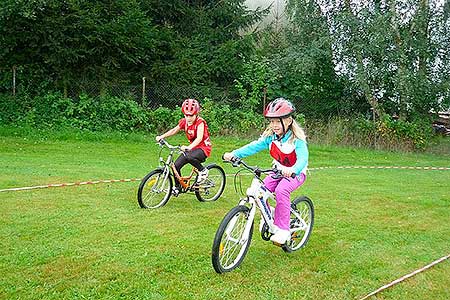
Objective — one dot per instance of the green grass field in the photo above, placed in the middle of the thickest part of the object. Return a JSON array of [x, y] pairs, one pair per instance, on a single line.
[[372, 226]]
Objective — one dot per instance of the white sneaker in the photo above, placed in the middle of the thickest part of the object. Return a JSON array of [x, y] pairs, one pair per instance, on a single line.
[[281, 236], [175, 191], [202, 175]]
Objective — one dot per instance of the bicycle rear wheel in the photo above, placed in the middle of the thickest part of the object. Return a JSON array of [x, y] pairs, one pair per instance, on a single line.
[[155, 189], [231, 243], [302, 221], [212, 188]]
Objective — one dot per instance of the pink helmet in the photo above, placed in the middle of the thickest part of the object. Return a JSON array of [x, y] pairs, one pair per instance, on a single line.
[[190, 107], [279, 108]]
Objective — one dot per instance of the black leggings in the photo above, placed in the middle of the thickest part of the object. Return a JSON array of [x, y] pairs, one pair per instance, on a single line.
[[195, 157]]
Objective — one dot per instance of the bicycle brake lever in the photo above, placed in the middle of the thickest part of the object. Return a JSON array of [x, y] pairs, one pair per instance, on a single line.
[[235, 162], [278, 174]]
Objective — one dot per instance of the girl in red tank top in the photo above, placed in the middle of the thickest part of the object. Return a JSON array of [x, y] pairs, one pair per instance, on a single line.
[[196, 130]]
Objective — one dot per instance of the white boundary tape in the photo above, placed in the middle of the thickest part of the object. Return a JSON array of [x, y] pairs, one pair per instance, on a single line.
[[406, 276], [138, 179], [381, 167], [68, 184]]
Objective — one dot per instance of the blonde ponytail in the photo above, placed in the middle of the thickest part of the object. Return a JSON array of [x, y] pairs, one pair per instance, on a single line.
[[297, 131]]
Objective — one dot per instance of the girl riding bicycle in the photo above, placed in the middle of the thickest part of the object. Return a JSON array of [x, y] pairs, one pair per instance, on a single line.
[[286, 141], [197, 133]]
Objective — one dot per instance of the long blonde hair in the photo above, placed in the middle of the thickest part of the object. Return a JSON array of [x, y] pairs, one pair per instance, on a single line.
[[297, 131]]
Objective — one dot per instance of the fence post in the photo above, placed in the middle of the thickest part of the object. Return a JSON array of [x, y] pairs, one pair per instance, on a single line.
[[264, 98], [143, 90], [14, 80]]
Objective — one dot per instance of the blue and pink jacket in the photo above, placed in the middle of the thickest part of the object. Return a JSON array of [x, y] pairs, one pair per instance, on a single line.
[[288, 154]]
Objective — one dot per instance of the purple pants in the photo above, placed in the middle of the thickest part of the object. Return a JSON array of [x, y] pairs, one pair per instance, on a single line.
[[283, 187]]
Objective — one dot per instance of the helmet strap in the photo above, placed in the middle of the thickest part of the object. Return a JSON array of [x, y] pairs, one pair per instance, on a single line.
[[279, 138]]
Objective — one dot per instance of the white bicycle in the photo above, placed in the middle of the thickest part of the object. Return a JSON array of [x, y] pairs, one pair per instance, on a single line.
[[234, 234]]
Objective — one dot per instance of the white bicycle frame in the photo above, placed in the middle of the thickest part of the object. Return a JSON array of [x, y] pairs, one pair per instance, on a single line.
[[258, 194]]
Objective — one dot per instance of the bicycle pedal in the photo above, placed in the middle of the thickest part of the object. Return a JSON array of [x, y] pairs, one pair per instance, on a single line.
[[175, 192]]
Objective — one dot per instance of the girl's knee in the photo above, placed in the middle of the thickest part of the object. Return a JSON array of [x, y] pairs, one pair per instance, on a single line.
[[282, 191]]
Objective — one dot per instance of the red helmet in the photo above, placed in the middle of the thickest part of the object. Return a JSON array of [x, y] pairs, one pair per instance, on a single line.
[[190, 107], [279, 108]]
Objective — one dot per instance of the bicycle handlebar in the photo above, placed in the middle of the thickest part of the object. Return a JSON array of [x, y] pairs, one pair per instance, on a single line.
[[235, 162], [163, 142]]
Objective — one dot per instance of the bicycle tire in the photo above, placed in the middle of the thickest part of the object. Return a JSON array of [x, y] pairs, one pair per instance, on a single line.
[[230, 246], [215, 182], [299, 238], [154, 186]]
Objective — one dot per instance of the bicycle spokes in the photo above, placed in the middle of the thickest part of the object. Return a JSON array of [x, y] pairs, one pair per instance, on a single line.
[[233, 240], [151, 182]]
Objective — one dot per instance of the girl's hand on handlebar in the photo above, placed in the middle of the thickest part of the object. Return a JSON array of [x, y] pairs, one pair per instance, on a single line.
[[184, 148], [159, 138], [287, 172], [228, 156]]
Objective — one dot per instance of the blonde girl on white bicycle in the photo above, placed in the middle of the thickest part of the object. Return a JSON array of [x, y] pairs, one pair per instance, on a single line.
[[286, 142]]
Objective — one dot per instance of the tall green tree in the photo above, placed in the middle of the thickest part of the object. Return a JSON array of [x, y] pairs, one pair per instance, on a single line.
[[69, 39], [176, 42], [209, 40], [392, 51], [301, 55]]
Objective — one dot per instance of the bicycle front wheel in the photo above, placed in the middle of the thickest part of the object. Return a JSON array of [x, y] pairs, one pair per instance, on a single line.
[[232, 240], [212, 188], [302, 221], [155, 189]]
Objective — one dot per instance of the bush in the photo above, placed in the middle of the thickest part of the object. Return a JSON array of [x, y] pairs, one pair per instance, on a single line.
[[13, 110], [387, 133], [162, 119], [225, 120], [106, 113], [55, 111]]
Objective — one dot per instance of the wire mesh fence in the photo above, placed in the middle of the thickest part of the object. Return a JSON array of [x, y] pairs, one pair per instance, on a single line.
[[151, 94], [148, 93]]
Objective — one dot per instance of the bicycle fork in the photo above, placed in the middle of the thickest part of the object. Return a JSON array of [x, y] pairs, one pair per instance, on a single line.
[[161, 180], [248, 226]]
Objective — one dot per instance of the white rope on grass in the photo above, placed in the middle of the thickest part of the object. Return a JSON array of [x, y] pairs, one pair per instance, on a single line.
[[68, 184], [381, 167], [138, 179], [405, 277]]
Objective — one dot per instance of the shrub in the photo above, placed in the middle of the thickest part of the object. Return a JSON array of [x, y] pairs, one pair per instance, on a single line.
[[13, 110], [385, 134], [107, 113]]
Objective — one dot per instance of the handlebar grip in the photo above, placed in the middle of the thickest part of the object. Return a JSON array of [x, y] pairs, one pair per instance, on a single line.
[[234, 160], [278, 174]]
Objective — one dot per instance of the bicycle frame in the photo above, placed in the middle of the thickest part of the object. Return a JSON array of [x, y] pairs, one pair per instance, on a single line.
[[258, 194], [168, 165], [157, 186]]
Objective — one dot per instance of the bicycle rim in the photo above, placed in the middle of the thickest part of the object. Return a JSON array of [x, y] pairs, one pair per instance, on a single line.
[[232, 240], [155, 189], [302, 221], [213, 187]]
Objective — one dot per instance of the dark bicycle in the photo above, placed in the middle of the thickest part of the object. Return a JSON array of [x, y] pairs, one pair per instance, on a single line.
[[156, 187]]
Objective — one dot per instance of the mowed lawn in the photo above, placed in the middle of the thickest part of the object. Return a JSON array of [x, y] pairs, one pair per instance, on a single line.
[[372, 226]]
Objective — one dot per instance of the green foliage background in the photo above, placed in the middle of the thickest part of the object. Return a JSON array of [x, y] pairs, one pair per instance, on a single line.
[[362, 63]]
